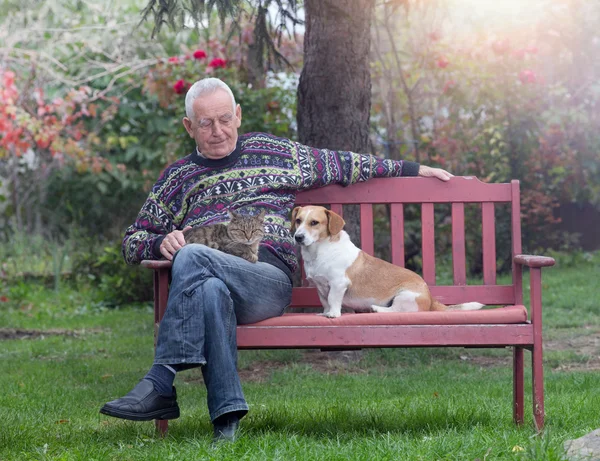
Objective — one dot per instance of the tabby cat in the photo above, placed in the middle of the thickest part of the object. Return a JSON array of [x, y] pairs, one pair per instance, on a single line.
[[239, 238]]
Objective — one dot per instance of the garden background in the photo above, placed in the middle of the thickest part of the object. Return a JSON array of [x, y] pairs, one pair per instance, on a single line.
[[91, 101]]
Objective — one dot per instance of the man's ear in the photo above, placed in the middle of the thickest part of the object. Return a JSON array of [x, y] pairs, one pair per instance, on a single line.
[[238, 114], [335, 222], [187, 123], [294, 214]]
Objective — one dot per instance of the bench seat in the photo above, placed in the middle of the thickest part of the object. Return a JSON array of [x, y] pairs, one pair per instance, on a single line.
[[495, 316], [498, 327]]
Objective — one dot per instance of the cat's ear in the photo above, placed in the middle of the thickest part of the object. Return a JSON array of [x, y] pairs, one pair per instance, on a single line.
[[294, 214], [262, 214], [232, 214]]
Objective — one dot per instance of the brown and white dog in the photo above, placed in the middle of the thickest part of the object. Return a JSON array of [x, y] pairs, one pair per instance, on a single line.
[[344, 275]]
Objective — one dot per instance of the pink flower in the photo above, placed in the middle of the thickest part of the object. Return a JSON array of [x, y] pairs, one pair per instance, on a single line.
[[527, 76], [519, 54], [217, 62], [180, 86], [434, 36], [442, 62], [450, 84], [500, 46], [199, 54], [173, 60], [532, 49]]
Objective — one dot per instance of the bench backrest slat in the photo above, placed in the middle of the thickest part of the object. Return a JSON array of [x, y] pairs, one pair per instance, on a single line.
[[458, 244], [367, 242], [397, 233], [459, 191], [515, 211], [488, 231], [337, 208], [408, 190], [428, 242]]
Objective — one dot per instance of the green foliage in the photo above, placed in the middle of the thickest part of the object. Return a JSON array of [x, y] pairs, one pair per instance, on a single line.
[[102, 204], [102, 266], [175, 12]]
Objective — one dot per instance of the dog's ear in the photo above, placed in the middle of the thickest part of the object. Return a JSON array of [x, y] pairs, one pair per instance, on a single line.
[[335, 222], [294, 214]]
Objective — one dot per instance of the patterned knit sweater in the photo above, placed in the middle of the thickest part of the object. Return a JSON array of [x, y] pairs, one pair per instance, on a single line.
[[264, 172]]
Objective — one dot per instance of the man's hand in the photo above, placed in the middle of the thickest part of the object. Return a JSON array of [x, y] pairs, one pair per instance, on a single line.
[[429, 172], [173, 242]]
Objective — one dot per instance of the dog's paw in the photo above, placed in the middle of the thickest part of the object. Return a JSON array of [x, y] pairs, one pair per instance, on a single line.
[[330, 315]]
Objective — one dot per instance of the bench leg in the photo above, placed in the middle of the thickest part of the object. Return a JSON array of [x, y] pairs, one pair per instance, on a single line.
[[538, 387], [161, 290], [162, 427], [537, 364], [518, 385]]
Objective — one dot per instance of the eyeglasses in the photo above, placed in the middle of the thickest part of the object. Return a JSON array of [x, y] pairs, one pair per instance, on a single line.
[[207, 124]]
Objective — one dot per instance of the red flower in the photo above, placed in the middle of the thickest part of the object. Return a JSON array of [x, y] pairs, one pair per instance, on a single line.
[[218, 62], [500, 46], [450, 84], [180, 86], [442, 62], [174, 59], [199, 54], [527, 76], [3, 299]]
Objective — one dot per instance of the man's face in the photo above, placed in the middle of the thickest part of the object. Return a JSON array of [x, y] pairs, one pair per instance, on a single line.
[[214, 125]]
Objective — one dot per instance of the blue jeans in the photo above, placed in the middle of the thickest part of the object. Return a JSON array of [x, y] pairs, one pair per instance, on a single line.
[[211, 292]]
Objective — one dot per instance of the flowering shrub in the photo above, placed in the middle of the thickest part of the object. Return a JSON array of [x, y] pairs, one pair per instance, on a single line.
[[41, 126], [492, 108]]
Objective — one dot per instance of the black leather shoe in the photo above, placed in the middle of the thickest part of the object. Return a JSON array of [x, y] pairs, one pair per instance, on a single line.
[[226, 431], [143, 403]]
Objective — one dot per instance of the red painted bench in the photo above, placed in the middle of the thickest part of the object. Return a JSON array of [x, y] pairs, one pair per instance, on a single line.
[[507, 326]]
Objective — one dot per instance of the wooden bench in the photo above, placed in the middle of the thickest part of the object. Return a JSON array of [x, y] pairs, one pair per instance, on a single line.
[[500, 327]]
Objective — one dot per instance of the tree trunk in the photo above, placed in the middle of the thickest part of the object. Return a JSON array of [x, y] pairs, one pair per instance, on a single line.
[[334, 94], [256, 50]]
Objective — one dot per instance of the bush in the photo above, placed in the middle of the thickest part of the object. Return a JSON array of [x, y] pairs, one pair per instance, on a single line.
[[118, 283]]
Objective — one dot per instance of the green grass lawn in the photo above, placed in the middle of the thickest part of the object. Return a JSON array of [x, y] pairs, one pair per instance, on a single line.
[[408, 404]]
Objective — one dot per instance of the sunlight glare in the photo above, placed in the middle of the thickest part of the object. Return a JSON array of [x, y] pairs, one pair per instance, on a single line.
[[500, 12]]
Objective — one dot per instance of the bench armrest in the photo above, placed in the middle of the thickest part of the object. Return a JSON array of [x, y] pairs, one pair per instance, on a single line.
[[156, 264], [534, 261], [162, 273]]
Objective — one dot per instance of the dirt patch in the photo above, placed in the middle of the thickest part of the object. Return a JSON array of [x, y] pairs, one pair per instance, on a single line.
[[584, 345], [323, 362], [487, 361], [259, 372], [22, 333]]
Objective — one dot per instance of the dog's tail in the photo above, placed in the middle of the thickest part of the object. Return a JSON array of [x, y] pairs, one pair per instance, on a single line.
[[473, 306]]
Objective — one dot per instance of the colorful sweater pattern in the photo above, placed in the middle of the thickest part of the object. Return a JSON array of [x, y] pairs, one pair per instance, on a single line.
[[264, 172]]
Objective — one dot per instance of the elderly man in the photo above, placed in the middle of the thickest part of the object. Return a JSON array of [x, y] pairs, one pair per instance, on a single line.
[[211, 291]]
